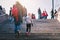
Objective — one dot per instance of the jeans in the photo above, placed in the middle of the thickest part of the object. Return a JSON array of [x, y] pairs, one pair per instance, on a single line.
[[11, 19], [44, 17], [17, 28]]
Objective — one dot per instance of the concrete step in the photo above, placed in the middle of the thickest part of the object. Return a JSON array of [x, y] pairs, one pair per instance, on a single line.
[[32, 36], [39, 26], [47, 22]]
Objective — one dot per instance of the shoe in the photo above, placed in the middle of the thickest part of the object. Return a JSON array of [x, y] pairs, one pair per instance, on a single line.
[[27, 33], [19, 31]]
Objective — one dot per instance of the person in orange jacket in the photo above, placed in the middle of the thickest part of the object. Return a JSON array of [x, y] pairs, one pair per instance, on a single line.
[[16, 19]]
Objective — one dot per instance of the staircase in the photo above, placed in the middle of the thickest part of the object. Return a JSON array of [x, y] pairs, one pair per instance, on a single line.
[[43, 29], [46, 26]]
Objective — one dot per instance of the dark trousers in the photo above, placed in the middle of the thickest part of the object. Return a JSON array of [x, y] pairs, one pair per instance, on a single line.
[[17, 27], [28, 29], [45, 17], [52, 17]]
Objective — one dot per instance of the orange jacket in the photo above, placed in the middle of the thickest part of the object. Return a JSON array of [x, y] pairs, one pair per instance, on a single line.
[[15, 12]]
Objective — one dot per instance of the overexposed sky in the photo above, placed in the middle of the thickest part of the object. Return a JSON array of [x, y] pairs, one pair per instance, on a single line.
[[31, 5]]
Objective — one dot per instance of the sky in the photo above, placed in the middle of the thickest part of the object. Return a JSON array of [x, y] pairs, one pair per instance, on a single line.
[[31, 5]]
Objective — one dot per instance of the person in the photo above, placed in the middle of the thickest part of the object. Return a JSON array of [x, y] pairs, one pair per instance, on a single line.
[[55, 11], [39, 13], [16, 19], [10, 14], [28, 24], [52, 14], [55, 14], [42, 15], [0, 7], [46, 14], [4, 10], [33, 16]]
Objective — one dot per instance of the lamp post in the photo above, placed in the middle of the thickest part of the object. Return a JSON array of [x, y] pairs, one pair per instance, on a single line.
[[53, 5]]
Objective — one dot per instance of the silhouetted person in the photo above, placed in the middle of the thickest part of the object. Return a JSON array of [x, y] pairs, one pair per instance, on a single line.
[[55, 11], [10, 13], [55, 14], [52, 14], [39, 13], [0, 7], [1, 11]]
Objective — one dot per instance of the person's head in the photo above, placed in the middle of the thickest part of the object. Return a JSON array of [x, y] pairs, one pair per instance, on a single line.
[[14, 6]]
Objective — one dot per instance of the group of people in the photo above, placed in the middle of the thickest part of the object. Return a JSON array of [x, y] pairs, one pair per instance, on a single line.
[[14, 12], [15, 15], [53, 14], [2, 10], [42, 15]]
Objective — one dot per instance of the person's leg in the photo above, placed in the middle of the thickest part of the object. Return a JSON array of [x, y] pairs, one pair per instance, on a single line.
[[26, 27], [12, 19], [19, 28], [42, 17], [45, 17], [15, 28], [29, 28], [51, 17]]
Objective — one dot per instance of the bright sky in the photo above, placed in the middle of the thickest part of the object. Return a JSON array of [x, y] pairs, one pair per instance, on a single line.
[[31, 5]]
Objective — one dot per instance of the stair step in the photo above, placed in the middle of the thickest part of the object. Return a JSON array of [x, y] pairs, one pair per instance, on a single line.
[[31, 36]]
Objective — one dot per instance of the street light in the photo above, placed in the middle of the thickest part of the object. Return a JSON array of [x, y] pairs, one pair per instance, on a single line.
[[53, 5]]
